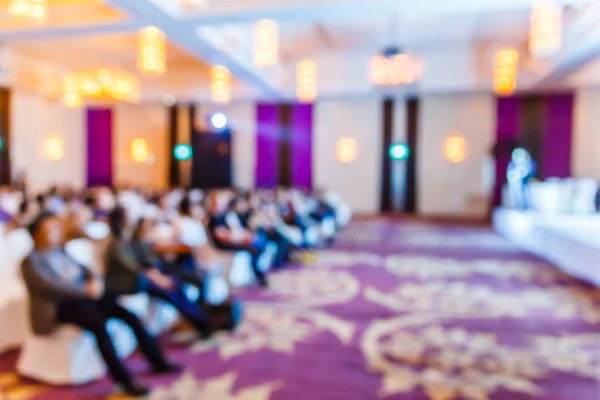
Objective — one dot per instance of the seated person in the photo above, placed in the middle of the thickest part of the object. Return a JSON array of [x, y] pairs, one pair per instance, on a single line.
[[228, 233], [225, 315], [258, 216], [149, 259], [63, 292], [126, 275], [28, 210], [241, 206], [294, 212]]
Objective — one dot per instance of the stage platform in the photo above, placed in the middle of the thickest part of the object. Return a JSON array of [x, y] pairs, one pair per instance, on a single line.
[[572, 242]]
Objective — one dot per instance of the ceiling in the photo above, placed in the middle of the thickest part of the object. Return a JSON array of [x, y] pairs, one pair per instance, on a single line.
[[455, 41]]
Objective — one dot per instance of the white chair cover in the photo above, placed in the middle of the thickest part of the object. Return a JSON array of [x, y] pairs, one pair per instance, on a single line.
[[9, 202], [265, 263], [343, 215], [69, 356], [82, 251], [13, 296], [328, 227], [17, 245], [241, 273], [584, 196], [97, 230]]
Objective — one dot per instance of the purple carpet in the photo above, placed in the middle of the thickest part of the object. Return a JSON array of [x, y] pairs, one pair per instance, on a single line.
[[409, 310]]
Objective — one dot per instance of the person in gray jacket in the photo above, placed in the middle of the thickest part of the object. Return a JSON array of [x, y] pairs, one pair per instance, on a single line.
[[64, 292]]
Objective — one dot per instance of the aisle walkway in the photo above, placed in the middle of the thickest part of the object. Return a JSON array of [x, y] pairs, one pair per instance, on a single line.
[[412, 311]]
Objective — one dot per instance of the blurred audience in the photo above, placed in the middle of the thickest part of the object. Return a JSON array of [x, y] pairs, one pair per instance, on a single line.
[[63, 292], [160, 243]]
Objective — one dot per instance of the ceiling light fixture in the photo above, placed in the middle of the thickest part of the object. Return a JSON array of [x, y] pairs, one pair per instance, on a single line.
[[394, 67], [103, 84], [152, 51], [30, 9], [194, 3], [220, 84], [266, 43], [306, 81], [505, 71], [545, 28]]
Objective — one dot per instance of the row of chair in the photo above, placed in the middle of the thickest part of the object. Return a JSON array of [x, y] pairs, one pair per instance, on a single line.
[[69, 356]]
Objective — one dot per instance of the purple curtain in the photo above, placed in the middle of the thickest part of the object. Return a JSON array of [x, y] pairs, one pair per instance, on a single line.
[[99, 147], [508, 112], [267, 145], [558, 133], [301, 146]]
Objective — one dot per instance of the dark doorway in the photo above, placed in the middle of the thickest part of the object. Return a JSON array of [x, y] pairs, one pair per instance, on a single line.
[[412, 130], [5, 175], [211, 160]]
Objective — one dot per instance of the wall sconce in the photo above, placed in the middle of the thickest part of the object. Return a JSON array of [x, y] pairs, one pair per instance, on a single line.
[[54, 148], [139, 151], [455, 149], [346, 150]]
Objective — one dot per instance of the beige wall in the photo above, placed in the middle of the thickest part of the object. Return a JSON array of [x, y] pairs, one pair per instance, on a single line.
[[33, 120], [148, 122], [446, 189], [586, 134], [356, 182], [443, 188]]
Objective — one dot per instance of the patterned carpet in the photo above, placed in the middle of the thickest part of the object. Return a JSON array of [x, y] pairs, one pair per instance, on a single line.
[[393, 311]]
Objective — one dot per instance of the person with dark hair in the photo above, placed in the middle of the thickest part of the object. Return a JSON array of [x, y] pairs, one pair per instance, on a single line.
[[223, 316], [125, 274], [147, 257], [41, 200], [228, 233], [64, 292]]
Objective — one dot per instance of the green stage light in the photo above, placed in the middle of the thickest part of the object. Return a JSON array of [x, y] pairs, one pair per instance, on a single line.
[[399, 151], [183, 152]]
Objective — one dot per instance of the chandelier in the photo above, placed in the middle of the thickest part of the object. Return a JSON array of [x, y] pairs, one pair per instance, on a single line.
[[266, 43], [31, 9], [103, 84], [505, 71], [194, 3], [152, 51], [306, 81], [220, 84], [545, 29], [394, 68]]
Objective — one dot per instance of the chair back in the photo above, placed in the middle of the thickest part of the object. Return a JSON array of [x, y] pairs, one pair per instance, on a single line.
[[584, 195], [83, 252], [14, 248], [97, 230]]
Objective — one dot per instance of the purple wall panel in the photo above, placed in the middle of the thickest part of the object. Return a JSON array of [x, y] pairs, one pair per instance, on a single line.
[[557, 139], [301, 146], [267, 145], [508, 111], [99, 147]]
